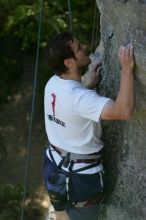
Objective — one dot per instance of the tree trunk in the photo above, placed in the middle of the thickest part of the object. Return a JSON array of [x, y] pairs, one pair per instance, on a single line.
[[124, 21]]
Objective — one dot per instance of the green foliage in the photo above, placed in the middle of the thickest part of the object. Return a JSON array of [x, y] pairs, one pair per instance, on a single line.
[[20, 18], [10, 204], [10, 72]]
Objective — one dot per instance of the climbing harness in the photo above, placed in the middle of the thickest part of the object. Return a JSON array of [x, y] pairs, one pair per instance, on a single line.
[[32, 110], [69, 159], [66, 184], [78, 158]]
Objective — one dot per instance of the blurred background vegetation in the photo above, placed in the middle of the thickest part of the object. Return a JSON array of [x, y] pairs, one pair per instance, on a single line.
[[19, 21], [19, 27]]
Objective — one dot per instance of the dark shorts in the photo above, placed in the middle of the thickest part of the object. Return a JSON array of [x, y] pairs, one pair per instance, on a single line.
[[87, 213], [82, 188]]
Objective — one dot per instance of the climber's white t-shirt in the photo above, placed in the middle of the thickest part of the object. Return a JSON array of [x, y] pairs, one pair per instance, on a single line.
[[72, 116]]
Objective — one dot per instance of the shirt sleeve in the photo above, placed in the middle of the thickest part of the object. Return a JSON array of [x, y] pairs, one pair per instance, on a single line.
[[89, 104]]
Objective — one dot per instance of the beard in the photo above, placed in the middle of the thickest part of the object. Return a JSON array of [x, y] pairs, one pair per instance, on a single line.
[[84, 68]]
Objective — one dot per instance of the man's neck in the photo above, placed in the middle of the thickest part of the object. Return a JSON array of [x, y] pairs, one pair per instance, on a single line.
[[71, 75]]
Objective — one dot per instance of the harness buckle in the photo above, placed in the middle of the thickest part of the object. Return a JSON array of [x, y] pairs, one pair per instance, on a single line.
[[66, 160]]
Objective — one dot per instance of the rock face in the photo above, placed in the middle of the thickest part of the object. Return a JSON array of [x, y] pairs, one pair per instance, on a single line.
[[125, 141]]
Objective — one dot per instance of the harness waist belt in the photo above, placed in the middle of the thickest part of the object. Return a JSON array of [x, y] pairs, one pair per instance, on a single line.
[[79, 158]]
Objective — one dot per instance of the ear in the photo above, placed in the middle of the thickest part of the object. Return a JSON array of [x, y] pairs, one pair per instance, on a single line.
[[69, 62]]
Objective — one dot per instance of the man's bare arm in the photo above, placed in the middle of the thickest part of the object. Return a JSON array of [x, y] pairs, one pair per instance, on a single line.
[[123, 106]]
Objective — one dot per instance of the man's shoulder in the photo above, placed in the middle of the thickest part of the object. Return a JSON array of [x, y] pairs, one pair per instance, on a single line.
[[50, 81]]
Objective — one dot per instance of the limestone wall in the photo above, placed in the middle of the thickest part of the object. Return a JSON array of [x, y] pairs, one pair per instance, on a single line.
[[123, 22]]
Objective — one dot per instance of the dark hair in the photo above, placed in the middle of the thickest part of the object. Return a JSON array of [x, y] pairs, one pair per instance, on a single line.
[[59, 49]]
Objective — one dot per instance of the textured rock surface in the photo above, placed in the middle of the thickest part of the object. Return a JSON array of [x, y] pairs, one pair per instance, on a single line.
[[123, 22]]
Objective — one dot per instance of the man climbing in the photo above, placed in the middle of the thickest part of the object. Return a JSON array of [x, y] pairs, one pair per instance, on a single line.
[[73, 169]]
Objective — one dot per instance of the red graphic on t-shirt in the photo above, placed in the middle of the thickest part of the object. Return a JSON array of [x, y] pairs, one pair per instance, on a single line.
[[53, 103]]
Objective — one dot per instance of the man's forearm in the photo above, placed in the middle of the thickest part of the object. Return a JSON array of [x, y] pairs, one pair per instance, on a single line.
[[125, 100], [123, 106]]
